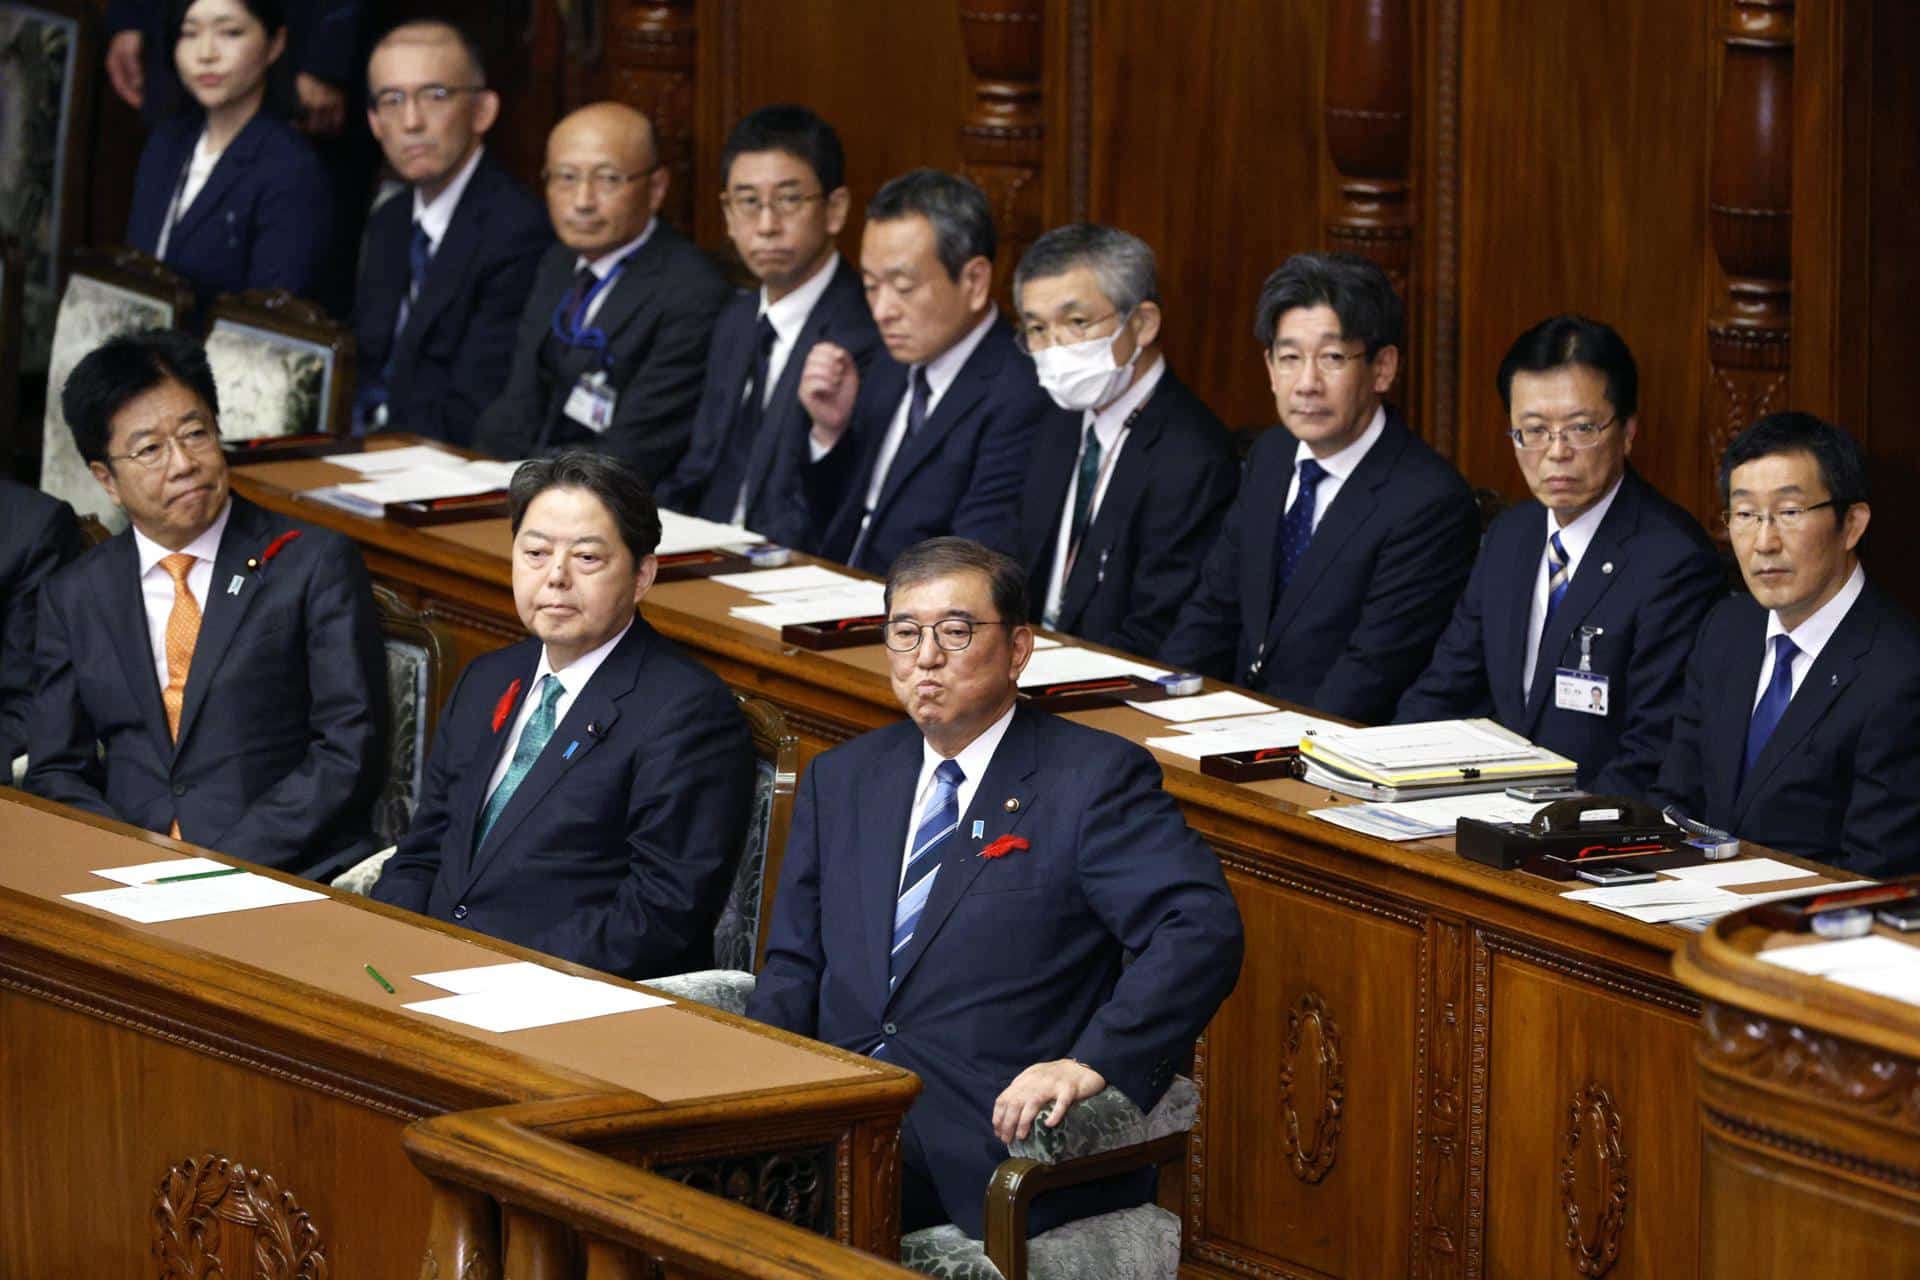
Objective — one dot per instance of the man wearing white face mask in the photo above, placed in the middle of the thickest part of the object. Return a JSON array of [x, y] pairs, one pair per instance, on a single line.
[[1120, 508]]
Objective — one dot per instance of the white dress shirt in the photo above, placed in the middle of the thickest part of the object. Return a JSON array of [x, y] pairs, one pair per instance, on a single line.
[[436, 215], [787, 316], [199, 169], [1109, 427], [573, 678], [1811, 636], [156, 584], [941, 371], [607, 262], [973, 761], [1575, 538], [1340, 466]]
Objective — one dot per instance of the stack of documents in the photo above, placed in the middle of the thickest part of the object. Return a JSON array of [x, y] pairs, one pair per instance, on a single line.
[[681, 533], [222, 889], [514, 997], [1427, 819], [1065, 664], [1703, 892], [418, 473], [1440, 757], [1876, 963], [1200, 738], [805, 593]]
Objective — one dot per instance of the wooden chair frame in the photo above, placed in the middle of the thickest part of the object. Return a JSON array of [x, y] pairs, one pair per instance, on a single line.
[[278, 311], [1018, 1180], [775, 743], [405, 623], [69, 228], [136, 272]]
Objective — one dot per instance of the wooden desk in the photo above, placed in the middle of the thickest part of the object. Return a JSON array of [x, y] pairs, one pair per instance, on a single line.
[[1809, 1098], [245, 1070], [1429, 1068]]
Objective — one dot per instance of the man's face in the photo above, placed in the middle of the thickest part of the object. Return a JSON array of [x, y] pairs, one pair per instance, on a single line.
[[575, 582], [1326, 408], [1072, 308], [781, 249], [919, 310], [425, 142], [1792, 572], [603, 183], [952, 695], [1569, 480], [176, 498]]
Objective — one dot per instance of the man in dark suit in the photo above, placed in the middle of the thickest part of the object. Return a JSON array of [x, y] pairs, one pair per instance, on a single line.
[[612, 347], [936, 440], [1119, 511], [786, 200], [215, 670], [38, 534], [1001, 901], [588, 789], [1339, 562], [447, 267], [1796, 729], [1583, 606]]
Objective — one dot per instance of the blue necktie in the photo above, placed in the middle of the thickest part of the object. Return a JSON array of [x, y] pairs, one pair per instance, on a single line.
[[1772, 704], [917, 405], [1557, 576], [938, 821], [371, 406], [1296, 527], [533, 740], [1084, 484]]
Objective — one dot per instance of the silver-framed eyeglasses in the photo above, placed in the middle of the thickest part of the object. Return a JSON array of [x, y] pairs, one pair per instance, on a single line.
[[1581, 435], [1071, 332], [1331, 363], [952, 634], [196, 441], [748, 206], [430, 98], [1744, 522], [605, 182]]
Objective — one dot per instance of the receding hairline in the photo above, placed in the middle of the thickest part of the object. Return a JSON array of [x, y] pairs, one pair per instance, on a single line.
[[429, 31], [619, 119]]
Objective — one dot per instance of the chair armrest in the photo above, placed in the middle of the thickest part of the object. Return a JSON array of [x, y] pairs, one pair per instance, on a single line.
[[724, 989], [1108, 1121], [363, 875]]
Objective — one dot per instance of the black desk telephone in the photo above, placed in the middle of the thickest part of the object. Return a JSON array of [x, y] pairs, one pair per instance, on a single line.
[[1583, 829]]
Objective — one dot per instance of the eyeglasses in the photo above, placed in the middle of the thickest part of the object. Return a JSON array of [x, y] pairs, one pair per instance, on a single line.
[[194, 441], [604, 182], [1744, 523], [430, 98], [748, 206], [1070, 332], [951, 634], [1288, 364], [1581, 435]]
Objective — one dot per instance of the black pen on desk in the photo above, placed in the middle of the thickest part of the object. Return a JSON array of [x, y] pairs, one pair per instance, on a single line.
[[375, 975], [199, 875]]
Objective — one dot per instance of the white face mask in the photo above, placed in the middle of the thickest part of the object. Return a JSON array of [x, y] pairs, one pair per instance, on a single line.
[[1083, 376]]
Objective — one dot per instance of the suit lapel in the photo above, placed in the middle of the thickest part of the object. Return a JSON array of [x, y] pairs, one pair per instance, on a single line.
[[452, 261], [1839, 662], [635, 287], [131, 640], [247, 535], [1603, 562], [1131, 471], [238, 158], [968, 388], [888, 798], [1509, 614], [1050, 475], [1723, 733], [470, 793]]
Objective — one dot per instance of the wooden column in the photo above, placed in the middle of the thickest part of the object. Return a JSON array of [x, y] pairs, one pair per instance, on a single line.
[[463, 1238], [1750, 224], [1002, 134], [651, 46]]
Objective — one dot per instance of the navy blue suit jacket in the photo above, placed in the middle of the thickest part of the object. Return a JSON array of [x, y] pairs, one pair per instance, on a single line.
[[1015, 960], [658, 318], [261, 221], [776, 469], [1839, 780], [961, 473], [282, 741], [1368, 598], [452, 359], [1646, 581], [38, 534], [617, 849], [1165, 498]]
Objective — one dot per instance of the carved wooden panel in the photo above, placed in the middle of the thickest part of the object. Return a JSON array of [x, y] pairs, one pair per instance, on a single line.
[[1439, 1237], [1312, 1087], [794, 1186], [651, 64], [1003, 132], [215, 1217], [1593, 1182], [1842, 1072]]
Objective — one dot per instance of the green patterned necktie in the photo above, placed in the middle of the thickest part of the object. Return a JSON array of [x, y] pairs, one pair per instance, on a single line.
[[533, 740]]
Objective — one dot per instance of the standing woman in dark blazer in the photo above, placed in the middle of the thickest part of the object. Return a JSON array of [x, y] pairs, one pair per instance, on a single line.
[[229, 195]]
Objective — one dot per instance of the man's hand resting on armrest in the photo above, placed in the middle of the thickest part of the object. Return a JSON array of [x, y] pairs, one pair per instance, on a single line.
[[1058, 1084]]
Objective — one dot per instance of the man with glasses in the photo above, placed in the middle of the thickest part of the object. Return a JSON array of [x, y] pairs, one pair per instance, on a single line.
[[785, 201], [612, 347], [1575, 627], [1338, 563], [999, 900], [1121, 502], [447, 267], [214, 671], [1797, 726]]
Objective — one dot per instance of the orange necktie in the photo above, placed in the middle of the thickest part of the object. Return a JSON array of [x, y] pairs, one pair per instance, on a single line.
[[183, 627]]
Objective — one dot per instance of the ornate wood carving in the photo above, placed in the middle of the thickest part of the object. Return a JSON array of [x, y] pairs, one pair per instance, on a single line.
[[1437, 1244], [1367, 107], [1002, 134], [1593, 1182], [883, 1168], [651, 67], [1843, 1072], [1440, 243], [214, 1217], [1750, 220], [1312, 1081], [794, 1186]]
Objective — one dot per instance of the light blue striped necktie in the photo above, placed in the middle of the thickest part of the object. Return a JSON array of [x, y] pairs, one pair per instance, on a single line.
[[1556, 578], [533, 740], [938, 821]]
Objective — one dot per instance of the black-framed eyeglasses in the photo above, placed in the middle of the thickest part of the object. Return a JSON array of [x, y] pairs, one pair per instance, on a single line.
[[1581, 435], [748, 205], [951, 634], [1745, 522], [428, 97], [1071, 332], [604, 182], [1331, 363], [196, 441]]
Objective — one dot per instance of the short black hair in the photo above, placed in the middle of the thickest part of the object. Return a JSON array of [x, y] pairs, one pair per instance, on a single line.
[[1560, 341], [271, 14], [958, 210], [1355, 287], [1843, 468], [457, 32], [618, 486], [121, 370], [939, 557], [795, 130]]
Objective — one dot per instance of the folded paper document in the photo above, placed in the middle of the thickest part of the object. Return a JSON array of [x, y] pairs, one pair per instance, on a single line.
[[1441, 757]]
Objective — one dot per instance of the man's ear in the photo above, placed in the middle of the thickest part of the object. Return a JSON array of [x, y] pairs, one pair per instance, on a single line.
[[1855, 528], [104, 474], [839, 202], [1386, 367], [976, 282], [657, 183], [486, 110], [644, 576]]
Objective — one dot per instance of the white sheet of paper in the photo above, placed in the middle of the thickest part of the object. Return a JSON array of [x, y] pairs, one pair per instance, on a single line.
[[499, 473], [1426, 819], [494, 977], [1875, 951], [1676, 912], [394, 461], [421, 485], [1292, 722], [156, 903], [1204, 706], [1068, 663], [681, 533], [537, 1004], [1646, 895], [148, 872], [797, 578], [1192, 746], [1044, 642], [845, 600], [1740, 871], [1437, 743], [1896, 984]]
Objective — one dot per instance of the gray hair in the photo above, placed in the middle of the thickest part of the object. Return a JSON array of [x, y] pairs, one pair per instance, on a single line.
[[1121, 261], [958, 211], [941, 557]]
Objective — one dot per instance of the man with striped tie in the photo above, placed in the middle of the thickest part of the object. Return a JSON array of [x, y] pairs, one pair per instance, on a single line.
[[961, 893], [1575, 627]]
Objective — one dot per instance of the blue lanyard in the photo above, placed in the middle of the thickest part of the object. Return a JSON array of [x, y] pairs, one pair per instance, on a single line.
[[566, 328]]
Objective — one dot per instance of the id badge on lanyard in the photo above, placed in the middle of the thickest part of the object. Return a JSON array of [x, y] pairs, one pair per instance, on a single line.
[[592, 401], [1583, 690]]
